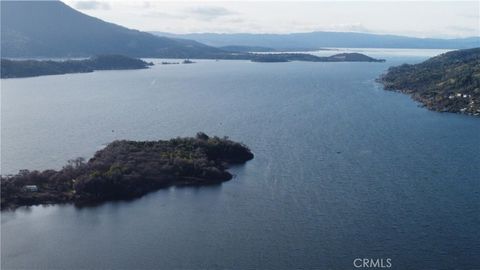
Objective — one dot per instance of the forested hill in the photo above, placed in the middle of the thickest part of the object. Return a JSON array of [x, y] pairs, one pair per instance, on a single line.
[[53, 29], [126, 170], [287, 57], [31, 68], [449, 82]]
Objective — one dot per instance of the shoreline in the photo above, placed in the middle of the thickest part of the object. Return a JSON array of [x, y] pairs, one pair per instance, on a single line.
[[449, 82], [424, 102]]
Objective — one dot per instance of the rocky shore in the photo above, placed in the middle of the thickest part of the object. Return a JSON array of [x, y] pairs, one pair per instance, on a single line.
[[449, 82]]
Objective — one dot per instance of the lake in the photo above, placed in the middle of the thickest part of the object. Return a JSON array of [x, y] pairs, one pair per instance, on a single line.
[[342, 169]]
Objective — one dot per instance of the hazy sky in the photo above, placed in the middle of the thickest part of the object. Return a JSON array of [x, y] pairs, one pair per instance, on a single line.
[[412, 18]]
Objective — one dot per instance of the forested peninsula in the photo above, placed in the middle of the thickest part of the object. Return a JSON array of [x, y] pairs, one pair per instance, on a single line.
[[287, 57], [449, 82], [32, 68], [126, 170]]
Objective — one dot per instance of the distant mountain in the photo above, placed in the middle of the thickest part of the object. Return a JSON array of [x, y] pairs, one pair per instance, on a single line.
[[317, 40], [35, 29], [234, 48], [53, 29], [449, 82]]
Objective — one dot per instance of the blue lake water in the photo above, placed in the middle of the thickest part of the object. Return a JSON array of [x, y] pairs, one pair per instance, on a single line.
[[342, 169]]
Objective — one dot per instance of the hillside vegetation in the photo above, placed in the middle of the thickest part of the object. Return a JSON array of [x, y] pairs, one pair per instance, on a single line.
[[127, 169], [287, 57], [31, 68], [53, 29], [449, 82]]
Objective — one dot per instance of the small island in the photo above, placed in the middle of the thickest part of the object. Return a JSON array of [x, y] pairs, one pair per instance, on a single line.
[[32, 68], [449, 82], [126, 170], [287, 57]]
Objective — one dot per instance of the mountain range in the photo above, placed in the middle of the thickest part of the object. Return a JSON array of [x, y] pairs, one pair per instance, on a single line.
[[319, 40], [36, 29]]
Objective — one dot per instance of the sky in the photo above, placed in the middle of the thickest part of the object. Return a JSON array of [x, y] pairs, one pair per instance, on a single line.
[[438, 19]]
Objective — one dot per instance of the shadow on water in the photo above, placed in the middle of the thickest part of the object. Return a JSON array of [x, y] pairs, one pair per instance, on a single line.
[[121, 201]]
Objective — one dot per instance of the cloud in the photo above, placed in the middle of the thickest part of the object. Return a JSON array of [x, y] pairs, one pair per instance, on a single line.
[[91, 5], [163, 15], [347, 27], [463, 29], [472, 15], [456, 31], [209, 13]]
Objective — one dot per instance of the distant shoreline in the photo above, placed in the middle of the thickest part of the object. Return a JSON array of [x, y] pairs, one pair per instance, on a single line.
[[33, 68]]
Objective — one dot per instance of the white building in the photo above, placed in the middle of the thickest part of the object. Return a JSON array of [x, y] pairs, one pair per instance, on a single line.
[[31, 188]]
